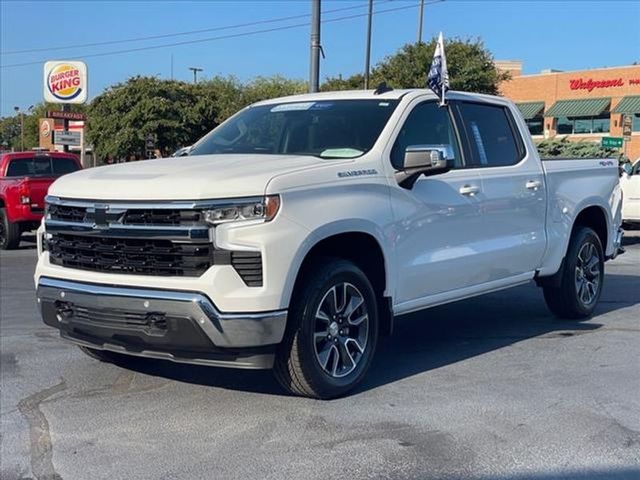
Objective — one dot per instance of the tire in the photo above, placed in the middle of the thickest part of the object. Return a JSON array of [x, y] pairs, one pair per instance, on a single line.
[[581, 279], [326, 350], [9, 232], [101, 355]]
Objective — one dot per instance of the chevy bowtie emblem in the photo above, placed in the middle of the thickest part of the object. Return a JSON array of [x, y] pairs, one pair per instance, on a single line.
[[100, 217]]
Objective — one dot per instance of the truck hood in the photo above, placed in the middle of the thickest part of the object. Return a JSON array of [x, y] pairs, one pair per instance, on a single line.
[[182, 178]]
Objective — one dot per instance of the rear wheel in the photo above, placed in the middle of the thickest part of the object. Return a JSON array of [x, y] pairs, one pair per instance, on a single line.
[[332, 332], [581, 279], [9, 232]]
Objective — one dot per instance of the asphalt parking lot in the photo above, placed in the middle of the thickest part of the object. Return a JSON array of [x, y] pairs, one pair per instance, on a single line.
[[492, 387]]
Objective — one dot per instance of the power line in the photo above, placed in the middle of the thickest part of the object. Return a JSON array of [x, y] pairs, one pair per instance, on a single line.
[[222, 37], [179, 34]]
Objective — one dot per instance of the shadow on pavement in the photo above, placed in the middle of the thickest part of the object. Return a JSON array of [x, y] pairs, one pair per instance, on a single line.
[[431, 338], [627, 473], [27, 242], [629, 240]]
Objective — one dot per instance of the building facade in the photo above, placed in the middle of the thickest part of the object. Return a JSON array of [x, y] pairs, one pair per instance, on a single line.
[[580, 105]]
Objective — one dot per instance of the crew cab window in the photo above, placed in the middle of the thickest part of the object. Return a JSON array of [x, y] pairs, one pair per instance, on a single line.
[[41, 167], [491, 135], [427, 124]]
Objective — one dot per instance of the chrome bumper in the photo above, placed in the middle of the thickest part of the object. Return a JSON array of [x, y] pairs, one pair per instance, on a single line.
[[156, 317]]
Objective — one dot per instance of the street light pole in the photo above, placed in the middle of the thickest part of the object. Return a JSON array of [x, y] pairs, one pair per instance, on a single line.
[[195, 71], [21, 114], [314, 69], [420, 15], [367, 59]]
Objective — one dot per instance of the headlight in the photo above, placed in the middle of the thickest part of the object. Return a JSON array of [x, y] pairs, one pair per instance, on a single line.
[[262, 208]]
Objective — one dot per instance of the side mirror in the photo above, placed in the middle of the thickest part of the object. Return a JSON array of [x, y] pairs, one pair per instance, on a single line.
[[424, 160], [627, 168]]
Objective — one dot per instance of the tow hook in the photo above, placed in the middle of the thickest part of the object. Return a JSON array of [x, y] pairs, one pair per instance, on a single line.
[[64, 310]]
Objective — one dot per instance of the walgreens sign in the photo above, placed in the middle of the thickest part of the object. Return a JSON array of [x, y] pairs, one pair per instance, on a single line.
[[590, 84]]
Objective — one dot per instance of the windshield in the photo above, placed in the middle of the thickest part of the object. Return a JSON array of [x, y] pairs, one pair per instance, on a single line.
[[41, 167], [327, 129]]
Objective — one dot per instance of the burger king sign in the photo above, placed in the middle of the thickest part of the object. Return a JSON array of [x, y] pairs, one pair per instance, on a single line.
[[65, 82]]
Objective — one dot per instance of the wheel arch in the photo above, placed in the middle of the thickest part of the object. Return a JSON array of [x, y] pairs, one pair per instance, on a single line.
[[364, 247], [594, 217]]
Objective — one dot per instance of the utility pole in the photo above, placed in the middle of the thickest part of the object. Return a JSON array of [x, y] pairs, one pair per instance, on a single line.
[[195, 71], [367, 58], [314, 69], [420, 15]]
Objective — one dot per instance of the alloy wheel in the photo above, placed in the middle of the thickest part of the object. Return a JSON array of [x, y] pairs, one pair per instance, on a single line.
[[588, 274], [341, 330]]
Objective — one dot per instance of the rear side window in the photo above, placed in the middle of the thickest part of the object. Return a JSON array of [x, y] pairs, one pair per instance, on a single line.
[[491, 135], [41, 167], [62, 166]]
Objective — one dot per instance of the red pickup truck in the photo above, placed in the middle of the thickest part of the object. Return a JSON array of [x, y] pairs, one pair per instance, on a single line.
[[24, 180]]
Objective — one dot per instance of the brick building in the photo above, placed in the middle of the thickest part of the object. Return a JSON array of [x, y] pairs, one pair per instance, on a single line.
[[583, 105]]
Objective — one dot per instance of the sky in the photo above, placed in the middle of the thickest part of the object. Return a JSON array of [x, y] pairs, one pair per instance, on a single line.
[[565, 35]]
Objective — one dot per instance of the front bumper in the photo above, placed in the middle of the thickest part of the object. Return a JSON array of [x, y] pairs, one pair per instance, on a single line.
[[178, 326]]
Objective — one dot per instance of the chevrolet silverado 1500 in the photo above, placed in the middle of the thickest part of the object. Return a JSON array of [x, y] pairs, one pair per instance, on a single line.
[[294, 233]]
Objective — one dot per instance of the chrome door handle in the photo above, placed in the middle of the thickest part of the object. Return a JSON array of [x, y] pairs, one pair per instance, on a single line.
[[533, 184], [469, 190]]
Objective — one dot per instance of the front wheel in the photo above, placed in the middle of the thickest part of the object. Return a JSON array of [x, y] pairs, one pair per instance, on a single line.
[[582, 277], [332, 331]]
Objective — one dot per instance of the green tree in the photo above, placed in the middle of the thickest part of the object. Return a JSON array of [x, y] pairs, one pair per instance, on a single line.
[[332, 84], [120, 119], [470, 65], [177, 113], [263, 88], [10, 133]]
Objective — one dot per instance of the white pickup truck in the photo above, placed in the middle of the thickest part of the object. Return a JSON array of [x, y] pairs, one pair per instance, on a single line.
[[294, 233]]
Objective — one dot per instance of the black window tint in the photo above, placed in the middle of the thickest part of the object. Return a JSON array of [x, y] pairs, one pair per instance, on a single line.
[[20, 167], [327, 129], [490, 134], [41, 167], [62, 166], [427, 124]]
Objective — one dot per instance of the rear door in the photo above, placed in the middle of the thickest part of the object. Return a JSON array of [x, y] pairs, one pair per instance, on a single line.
[[440, 225], [513, 200]]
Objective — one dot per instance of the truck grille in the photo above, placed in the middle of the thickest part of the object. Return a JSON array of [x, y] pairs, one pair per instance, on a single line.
[[159, 239], [139, 216], [132, 256]]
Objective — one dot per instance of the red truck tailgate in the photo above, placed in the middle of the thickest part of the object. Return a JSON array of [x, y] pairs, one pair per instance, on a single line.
[[37, 189]]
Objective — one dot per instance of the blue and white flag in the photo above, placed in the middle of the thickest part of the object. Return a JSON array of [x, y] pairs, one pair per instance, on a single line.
[[438, 78]]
